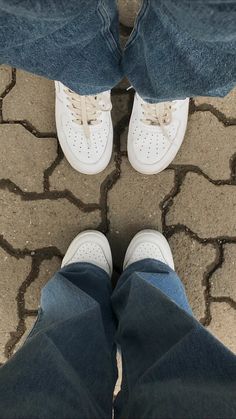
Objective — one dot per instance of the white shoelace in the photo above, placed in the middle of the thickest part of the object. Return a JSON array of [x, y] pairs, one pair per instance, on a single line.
[[157, 114], [87, 110]]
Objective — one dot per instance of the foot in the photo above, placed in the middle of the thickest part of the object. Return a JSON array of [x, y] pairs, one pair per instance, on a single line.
[[91, 247], [149, 244], [84, 128], [156, 132]]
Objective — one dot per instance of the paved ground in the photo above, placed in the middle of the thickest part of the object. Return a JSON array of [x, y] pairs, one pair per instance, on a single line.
[[45, 203]]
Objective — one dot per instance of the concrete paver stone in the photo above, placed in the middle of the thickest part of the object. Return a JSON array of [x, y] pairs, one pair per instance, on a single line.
[[42, 223], [207, 209], [223, 282], [22, 154], [208, 145], [37, 95], [223, 324], [192, 261], [83, 187], [226, 105]]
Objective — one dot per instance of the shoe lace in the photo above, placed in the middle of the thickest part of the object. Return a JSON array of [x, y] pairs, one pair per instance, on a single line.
[[87, 110], [158, 114]]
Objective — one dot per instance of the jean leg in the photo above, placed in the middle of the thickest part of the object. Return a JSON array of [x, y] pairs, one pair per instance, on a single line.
[[172, 367], [182, 49], [73, 41], [66, 368]]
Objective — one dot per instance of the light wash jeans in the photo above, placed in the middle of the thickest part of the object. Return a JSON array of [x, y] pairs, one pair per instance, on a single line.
[[178, 48], [172, 367]]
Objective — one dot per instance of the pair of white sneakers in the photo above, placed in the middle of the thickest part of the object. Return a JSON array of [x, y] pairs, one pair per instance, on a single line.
[[93, 247], [85, 131]]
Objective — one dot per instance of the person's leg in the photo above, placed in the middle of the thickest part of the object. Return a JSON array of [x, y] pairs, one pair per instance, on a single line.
[[75, 41], [172, 367], [177, 50], [182, 49], [66, 368]]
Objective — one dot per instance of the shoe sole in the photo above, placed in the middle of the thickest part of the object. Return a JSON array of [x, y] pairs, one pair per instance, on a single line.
[[152, 236], [89, 236], [83, 168], [165, 162]]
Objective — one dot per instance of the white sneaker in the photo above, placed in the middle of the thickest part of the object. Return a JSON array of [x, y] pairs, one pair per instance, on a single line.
[[84, 128], [156, 132], [92, 247], [149, 244]]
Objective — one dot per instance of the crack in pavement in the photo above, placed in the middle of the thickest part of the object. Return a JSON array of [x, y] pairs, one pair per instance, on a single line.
[[29, 127], [48, 195], [207, 107], [8, 88]]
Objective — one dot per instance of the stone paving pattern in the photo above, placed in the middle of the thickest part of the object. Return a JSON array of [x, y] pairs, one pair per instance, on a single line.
[[45, 203]]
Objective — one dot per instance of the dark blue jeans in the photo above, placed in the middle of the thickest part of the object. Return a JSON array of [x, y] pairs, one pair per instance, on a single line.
[[172, 367], [178, 48]]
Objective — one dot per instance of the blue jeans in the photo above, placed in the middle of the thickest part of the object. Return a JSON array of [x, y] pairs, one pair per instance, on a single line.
[[178, 48], [172, 367]]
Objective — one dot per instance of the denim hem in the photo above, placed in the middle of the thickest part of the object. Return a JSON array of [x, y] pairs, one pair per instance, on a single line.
[[84, 264], [142, 265]]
